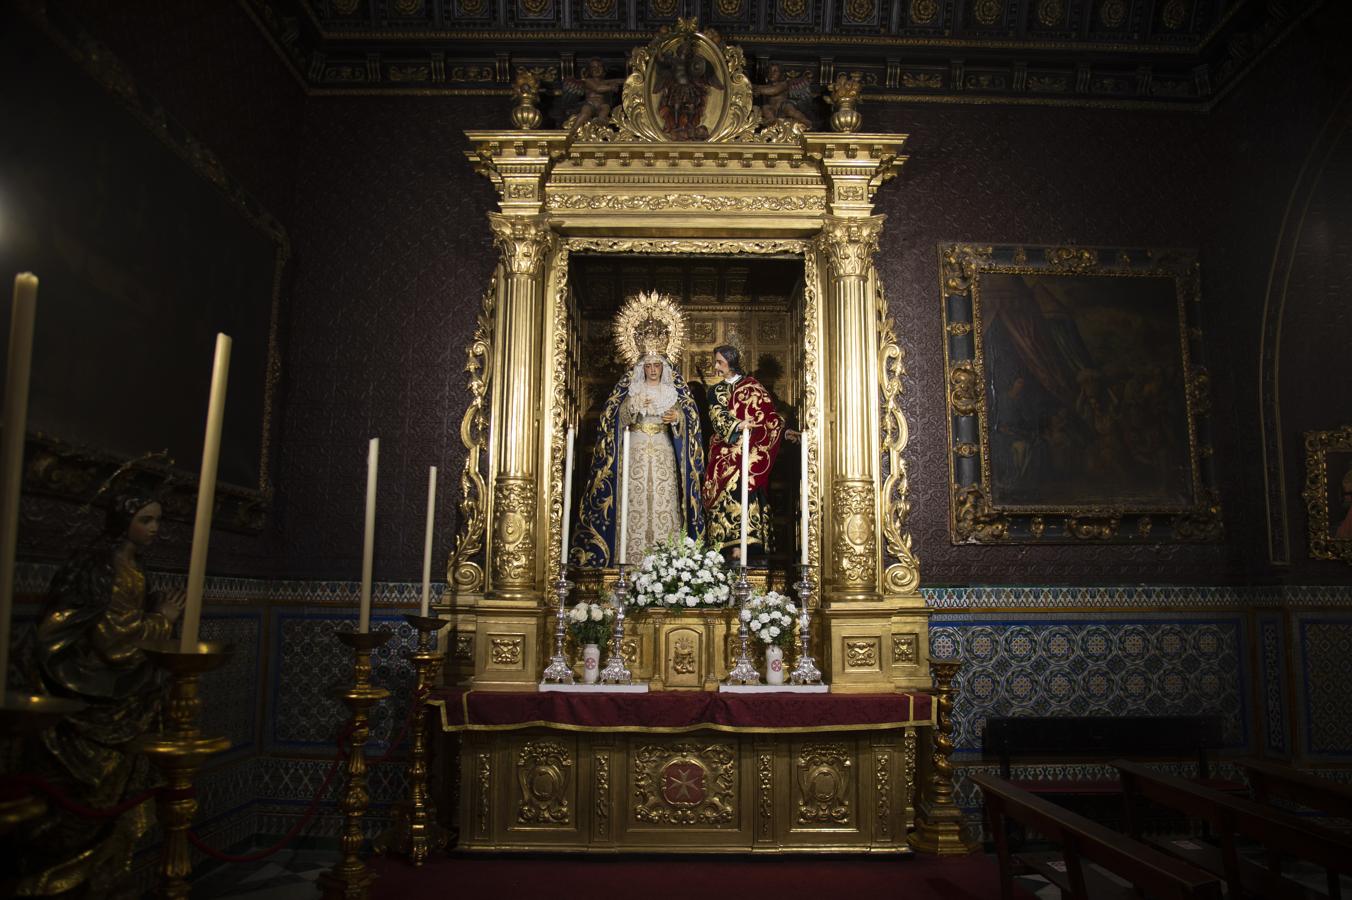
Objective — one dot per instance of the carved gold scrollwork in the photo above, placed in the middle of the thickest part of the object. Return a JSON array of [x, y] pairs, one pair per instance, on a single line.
[[882, 789], [959, 265], [849, 244], [811, 368], [973, 519], [861, 654], [852, 505], [908, 758], [904, 648], [513, 529], [636, 116], [484, 771], [685, 783], [464, 572], [765, 788], [1323, 542], [1072, 259], [903, 575], [1098, 528], [683, 661], [544, 774], [964, 389], [602, 795], [505, 651], [524, 242], [562, 407], [824, 784], [701, 202]]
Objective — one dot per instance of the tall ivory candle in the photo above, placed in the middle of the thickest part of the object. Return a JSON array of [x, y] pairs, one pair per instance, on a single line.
[[20, 357], [746, 470], [427, 541], [802, 492], [206, 495], [624, 499], [567, 500], [369, 546]]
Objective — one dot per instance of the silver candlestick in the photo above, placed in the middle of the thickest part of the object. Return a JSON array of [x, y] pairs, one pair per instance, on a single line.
[[615, 671], [805, 669], [558, 671], [743, 672]]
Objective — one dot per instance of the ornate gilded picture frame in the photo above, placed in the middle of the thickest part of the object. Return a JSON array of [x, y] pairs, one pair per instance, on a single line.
[[1328, 492], [1078, 402]]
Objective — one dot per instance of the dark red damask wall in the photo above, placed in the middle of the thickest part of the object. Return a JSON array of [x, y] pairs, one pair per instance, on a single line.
[[392, 255]]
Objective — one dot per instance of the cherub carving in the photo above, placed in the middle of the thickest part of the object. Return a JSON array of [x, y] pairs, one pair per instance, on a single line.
[[596, 91], [782, 96]]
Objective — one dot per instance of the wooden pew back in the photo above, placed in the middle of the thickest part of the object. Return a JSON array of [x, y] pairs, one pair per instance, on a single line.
[[1157, 874], [1270, 780]]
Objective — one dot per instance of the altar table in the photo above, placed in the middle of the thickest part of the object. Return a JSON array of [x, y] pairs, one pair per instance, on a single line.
[[684, 771]]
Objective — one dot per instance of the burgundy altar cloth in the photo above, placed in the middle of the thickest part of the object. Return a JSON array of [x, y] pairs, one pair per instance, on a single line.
[[676, 711]]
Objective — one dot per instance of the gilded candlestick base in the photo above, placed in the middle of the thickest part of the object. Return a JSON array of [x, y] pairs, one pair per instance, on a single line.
[[559, 671], [615, 671], [805, 669], [744, 672], [179, 752], [939, 824], [22, 715], [414, 832], [351, 879]]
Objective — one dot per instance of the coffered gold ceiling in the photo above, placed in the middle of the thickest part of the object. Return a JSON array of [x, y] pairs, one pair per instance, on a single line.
[[1111, 53]]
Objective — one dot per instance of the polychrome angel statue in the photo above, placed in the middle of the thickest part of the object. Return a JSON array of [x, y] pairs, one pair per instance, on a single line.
[[666, 456], [783, 97], [596, 91], [682, 82]]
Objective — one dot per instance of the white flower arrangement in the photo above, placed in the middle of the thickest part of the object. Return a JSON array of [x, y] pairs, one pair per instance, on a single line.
[[772, 619], [681, 573], [590, 623]]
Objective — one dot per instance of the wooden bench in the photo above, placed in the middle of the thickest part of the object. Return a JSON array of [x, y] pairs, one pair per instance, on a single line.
[[1271, 781], [1081, 840], [1105, 738], [1231, 818]]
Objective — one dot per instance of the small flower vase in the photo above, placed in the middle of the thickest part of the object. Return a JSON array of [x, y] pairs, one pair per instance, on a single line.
[[774, 665], [591, 663]]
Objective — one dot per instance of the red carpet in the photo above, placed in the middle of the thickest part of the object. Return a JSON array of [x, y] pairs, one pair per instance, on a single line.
[[569, 876]]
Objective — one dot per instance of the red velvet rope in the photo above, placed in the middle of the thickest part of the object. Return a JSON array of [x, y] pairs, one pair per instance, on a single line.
[[73, 806]]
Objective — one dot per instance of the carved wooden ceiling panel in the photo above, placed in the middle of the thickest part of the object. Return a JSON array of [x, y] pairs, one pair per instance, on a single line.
[[1128, 54]]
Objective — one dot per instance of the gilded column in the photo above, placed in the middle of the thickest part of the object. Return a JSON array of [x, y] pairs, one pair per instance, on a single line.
[[525, 243], [851, 531]]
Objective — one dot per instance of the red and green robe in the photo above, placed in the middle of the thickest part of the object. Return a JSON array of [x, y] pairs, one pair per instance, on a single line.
[[729, 405]]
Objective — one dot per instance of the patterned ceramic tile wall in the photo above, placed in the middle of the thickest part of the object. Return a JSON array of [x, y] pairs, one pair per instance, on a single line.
[[1273, 684], [230, 693], [1119, 664], [1324, 643]]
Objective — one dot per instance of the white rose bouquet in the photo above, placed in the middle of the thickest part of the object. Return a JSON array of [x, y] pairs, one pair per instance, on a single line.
[[681, 573], [591, 623], [772, 619]]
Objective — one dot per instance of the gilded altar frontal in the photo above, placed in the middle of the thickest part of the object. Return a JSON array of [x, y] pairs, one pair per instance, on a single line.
[[761, 239]]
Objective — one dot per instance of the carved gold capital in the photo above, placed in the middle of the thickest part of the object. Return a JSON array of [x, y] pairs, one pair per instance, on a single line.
[[513, 530], [854, 546], [524, 241], [849, 244]]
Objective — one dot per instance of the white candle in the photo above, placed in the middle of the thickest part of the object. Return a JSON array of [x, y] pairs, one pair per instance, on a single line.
[[427, 541], [802, 490], [369, 546], [206, 495], [567, 499], [20, 357], [746, 476], [624, 499]]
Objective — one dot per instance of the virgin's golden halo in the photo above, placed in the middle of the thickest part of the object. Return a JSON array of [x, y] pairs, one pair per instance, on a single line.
[[649, 322]]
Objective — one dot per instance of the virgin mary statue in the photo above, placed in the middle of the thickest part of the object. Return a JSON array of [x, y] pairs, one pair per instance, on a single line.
[[666, 456]]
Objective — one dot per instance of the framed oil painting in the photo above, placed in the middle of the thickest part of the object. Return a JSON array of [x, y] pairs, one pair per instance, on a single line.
[[1077, 398], [1328, 493]]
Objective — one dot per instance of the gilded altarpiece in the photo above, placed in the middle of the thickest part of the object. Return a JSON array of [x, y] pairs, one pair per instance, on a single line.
[[623, 193]]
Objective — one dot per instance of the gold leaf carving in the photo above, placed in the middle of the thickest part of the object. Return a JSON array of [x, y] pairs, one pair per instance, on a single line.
[[465, 573], [882, 789], [849, 244], [902, 576], [861, 654], [686, 783], [852, 505], [964, 389], [1323, 542], [544, 774], [824, 784], [505, 651], [1072, 259], [702, 202], [973, 519], [904, 648], [513, 529], [602, 781], [765, 788]]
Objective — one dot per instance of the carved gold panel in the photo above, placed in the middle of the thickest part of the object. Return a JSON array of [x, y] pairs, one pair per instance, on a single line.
[[684, 656], [861, 653], [825, 795], [904, 648], [544, 773], [685, 784], [505, 651]]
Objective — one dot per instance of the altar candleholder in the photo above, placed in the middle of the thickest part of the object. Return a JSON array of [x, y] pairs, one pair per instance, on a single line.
[[415, 832], [615, 671], [351, 879], [744, 672], [21, 716], [180, 750], [805, 669], [558, 671]]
